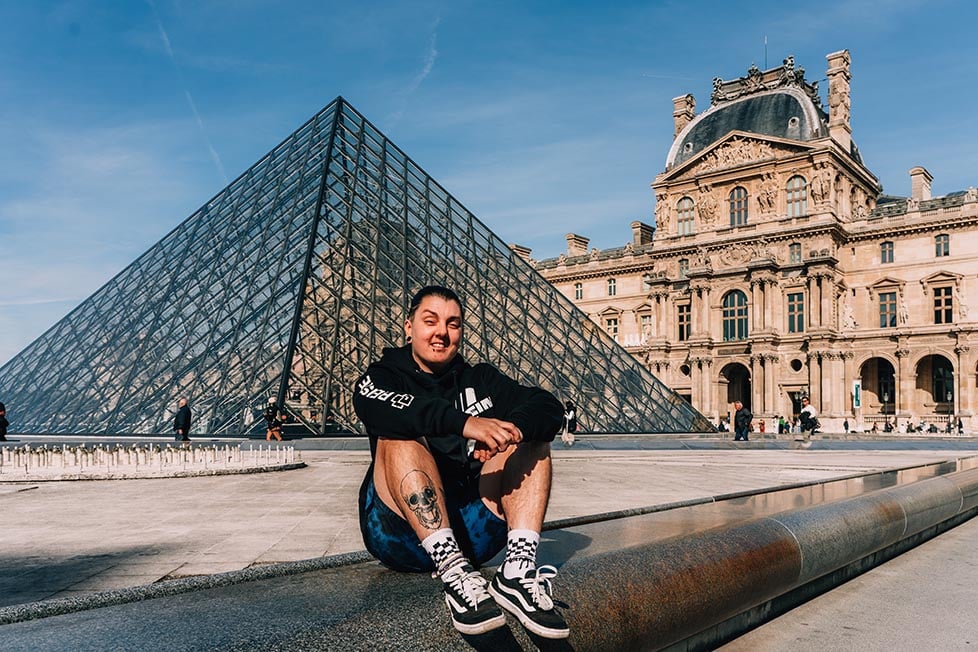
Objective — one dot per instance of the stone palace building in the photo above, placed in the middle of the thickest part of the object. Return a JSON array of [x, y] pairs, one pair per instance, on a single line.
[[778, 268]]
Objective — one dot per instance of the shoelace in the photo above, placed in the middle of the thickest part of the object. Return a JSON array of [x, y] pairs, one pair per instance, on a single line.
[[470, 585], [538, 585]]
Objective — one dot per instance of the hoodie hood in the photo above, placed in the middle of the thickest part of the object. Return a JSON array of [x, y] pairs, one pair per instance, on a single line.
[[401, 360]]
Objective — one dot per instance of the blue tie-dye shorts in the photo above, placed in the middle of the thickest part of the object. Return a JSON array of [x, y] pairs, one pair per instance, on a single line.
[[389, 537]]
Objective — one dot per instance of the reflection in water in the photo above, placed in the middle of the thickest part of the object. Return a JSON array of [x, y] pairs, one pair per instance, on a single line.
[[618, 533]]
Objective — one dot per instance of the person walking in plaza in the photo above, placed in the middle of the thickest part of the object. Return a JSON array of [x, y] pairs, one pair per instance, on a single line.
[[742, 420], [845, 425], [570, 424], [273, 420], [809, 418], [3, 422], [461, 469], [181, 422]]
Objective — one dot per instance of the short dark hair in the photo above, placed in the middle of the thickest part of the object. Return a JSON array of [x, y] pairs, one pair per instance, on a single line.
[[436, 291]]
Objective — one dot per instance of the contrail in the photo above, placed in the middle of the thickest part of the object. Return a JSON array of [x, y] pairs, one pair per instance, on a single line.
[[431, 56], [429, 60], [190, 100]]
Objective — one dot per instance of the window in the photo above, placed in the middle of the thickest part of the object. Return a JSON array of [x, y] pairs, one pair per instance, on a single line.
[[794, 252], [888, 310], [797, 196], [612, 287], [683, 267], [796, 312], [942, 245], [685, 216], [611, 325], [886, 252], [738, 206], [943, 305], [683, 319], [735, 316], [646, 324], [578, 291]]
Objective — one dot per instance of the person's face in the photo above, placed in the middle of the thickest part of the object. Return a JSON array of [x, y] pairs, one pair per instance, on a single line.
[[435, 331]]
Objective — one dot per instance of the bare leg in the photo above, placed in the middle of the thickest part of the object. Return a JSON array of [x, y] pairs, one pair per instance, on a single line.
[[515, 485], [407, 480]]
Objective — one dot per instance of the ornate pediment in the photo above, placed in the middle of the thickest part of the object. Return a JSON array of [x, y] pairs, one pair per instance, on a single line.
[[736, 150]]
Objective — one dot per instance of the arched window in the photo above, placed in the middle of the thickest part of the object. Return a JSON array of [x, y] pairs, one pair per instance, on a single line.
[[738, 206], [685, 216], [734, 316], [797, 196]]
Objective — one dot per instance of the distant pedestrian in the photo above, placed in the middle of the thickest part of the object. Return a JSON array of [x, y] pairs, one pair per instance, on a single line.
[[273, 421], [742, 421], [570, 424], [181, 422], [3, 422], [845, 426]]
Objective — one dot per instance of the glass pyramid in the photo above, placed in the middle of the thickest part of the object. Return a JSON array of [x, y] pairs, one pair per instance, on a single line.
[[289, 281]]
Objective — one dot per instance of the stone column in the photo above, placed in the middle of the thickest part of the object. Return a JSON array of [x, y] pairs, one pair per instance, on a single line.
[[813, 302], [905, 382], [706, 389], [770, 317], [826, 294], [815, 378], [777, 307], [755, 305], [834, 384], [771, 375], [756, 384], [963, 382]]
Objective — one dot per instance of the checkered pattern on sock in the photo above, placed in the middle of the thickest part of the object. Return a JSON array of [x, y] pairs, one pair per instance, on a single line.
[[441, 546], [521, 546]]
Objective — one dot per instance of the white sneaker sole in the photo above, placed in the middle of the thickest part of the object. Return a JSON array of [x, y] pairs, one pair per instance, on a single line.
[[546, 632], [479, 628]]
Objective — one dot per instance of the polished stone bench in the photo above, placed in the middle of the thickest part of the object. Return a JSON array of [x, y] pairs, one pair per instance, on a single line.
[[687, 576]]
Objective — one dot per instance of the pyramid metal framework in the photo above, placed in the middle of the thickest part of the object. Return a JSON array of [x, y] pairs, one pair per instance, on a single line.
[[290, 281]]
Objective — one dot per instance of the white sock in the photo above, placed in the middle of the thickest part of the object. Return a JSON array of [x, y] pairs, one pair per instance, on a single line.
[[441, 546], [521, 553]]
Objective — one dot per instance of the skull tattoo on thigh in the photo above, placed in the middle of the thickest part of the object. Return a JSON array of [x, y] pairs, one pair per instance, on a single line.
[[418, 491]]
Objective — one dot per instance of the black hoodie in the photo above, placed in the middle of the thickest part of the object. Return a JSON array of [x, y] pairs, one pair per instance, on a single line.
[[397, 400]]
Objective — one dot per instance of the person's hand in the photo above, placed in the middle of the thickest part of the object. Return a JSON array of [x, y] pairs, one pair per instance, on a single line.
[[491, 436]]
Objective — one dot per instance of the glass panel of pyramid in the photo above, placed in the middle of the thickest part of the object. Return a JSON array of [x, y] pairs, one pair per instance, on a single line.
[[290, 281]]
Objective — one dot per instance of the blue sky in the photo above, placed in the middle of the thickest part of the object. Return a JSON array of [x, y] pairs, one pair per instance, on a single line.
[[119, 118]]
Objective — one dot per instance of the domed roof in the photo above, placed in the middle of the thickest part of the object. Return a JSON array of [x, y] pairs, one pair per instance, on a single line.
[[786, 112]]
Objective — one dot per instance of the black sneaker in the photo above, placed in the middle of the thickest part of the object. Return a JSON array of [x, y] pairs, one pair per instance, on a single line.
[[472, 608], [530, 598]]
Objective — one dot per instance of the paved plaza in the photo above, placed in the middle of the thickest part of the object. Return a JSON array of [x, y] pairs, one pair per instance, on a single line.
[[69, 539]]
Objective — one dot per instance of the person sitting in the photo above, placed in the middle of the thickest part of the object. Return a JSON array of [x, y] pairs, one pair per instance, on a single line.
[[461, 468]]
